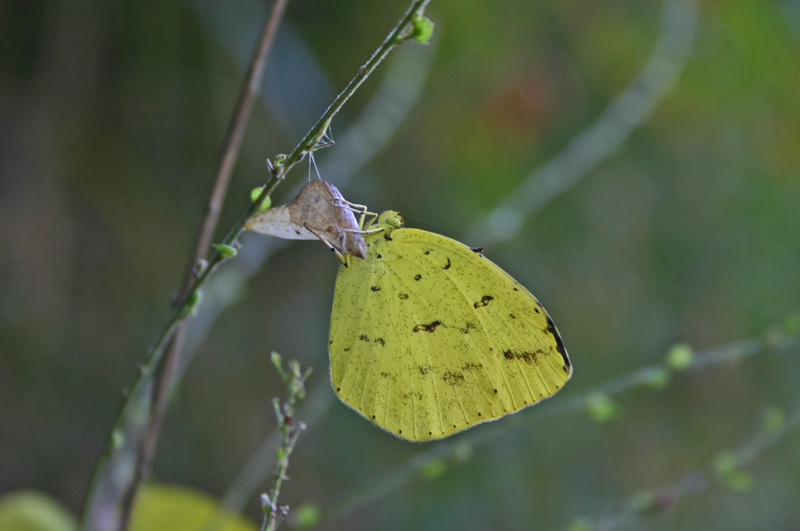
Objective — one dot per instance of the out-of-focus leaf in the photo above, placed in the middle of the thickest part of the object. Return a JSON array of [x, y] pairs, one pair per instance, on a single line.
[[29, 510], [178, 508]]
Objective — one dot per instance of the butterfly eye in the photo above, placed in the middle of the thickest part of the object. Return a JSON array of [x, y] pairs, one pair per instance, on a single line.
[[394, 221]]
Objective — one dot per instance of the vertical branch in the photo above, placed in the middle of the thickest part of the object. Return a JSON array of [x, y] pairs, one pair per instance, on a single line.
[[120, 465], [290, 430], [231, 147], [124, 495]]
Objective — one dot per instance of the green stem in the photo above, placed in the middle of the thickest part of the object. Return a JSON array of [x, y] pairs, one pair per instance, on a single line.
[[183, 310], [308, 144], [290, 430], [406, 472]]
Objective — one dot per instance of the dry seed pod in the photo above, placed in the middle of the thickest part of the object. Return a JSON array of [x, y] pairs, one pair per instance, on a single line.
[[318, 212]]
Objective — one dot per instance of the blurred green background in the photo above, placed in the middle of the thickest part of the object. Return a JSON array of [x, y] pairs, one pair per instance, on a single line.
[[111, 119]]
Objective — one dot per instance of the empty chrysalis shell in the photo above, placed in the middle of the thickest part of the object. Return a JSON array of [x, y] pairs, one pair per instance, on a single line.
[[318, 212]]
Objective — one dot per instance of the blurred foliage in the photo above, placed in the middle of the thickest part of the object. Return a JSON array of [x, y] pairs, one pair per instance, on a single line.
[[176, 508], [158, 508], [111, 117], [28, 510]]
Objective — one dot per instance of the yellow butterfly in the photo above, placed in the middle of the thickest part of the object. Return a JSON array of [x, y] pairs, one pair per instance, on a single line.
[[428, 337]]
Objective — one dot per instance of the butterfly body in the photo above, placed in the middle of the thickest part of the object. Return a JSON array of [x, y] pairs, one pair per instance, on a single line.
[[429, 337]]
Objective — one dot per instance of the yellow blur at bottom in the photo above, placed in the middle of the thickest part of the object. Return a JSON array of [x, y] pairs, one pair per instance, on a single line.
[[177, 508]]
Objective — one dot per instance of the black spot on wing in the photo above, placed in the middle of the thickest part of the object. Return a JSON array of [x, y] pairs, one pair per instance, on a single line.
[[375, 288], [484, 301], [427, 327], [403, 296], [380, 340], [417, 277], [468, 327], [527, 357], [453, 378], [363, 337], [448, 265], [387, 237], [408, 397]]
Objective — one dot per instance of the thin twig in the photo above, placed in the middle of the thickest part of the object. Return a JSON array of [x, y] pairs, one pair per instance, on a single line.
[[406, 472], [290, 429], [309, 143], [726, 469], [390, 104], [230, 151], [360, 143], [116, 441], [256, 470], [231, 147]]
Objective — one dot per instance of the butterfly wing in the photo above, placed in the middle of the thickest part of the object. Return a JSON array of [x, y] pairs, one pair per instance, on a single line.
[[429, 338]]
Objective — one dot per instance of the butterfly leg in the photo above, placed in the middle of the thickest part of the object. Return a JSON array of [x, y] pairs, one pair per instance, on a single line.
[[364, 212], [361, 210]]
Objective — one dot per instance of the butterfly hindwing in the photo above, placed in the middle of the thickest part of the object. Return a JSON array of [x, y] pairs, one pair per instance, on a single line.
[[429, 337]]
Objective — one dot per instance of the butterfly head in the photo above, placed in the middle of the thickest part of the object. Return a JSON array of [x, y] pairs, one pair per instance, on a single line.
[[390, 220]]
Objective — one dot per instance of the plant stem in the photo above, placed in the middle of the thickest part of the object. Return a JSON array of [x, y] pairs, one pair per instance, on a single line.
[[231, 147], [308, 143], [406, 472], [190, 299], [290, 430]]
